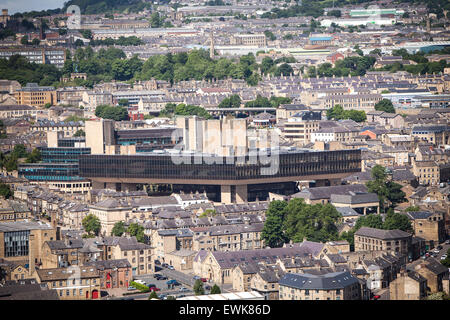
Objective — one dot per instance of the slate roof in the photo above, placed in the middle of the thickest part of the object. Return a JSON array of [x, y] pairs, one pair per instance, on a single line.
[[382, 234], [26, 290], [413, 215], [326, 192], [109, 264], [347, 211], [329, 281], [229, 259], [357, 198]]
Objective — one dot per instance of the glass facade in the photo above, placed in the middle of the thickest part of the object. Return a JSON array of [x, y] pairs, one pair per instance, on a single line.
[[50, 171], [162, 166], [63, 155], [16, 243]]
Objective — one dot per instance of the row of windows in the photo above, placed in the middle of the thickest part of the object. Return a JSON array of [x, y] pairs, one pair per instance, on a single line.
[[165, 167]]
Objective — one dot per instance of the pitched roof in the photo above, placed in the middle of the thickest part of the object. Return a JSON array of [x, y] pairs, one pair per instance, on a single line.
[[329, 281], [382, 234]]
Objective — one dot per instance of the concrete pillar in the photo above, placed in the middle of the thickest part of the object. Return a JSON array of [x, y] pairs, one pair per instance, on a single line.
[[241, 194], [225, 194]]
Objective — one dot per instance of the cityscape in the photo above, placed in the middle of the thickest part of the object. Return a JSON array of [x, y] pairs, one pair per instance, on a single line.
[[246, 150]]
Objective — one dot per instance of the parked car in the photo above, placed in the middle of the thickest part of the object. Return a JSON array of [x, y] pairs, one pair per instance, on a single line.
[[157, 276], [183, 289], [162, 297], [196, 277], [173, 282], [150, 285], [436, 250], [162, 277], [157, 262], [131, 288], [443, 257], [164, 265], [447, 241], [140, 281], [207, 287], [181, 296], [204, 279], [376, 297], [170, 267], [439, 247]]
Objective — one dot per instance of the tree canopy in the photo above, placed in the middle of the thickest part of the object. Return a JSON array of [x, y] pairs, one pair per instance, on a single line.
[[91, 225], [338, 113], [389, 193], [119, 229], [136, 230], [296, 221], [385, 105], [111, 112]]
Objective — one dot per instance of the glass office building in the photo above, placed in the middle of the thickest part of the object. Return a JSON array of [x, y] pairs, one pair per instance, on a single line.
[[162, 166]]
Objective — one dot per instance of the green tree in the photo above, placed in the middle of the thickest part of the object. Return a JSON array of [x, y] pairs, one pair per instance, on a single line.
[[136, 230], [111, 112], [35, 42], [370, 220], [86, 33], [5, 191], [259, 102], [269, 34], [389, 193], [198, 287], [412, 209], [34, 156], [155, 20], [215, 289], [395, 220], [20, 151], [385, 105], [118, 229], [273, 233], [153, 295], [312, 222], [24, 40], [80, 133], [284, 70], [334, 13], [91, 225], [233, 101]]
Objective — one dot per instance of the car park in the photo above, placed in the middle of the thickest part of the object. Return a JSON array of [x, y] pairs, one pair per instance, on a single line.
[[173, 282]]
